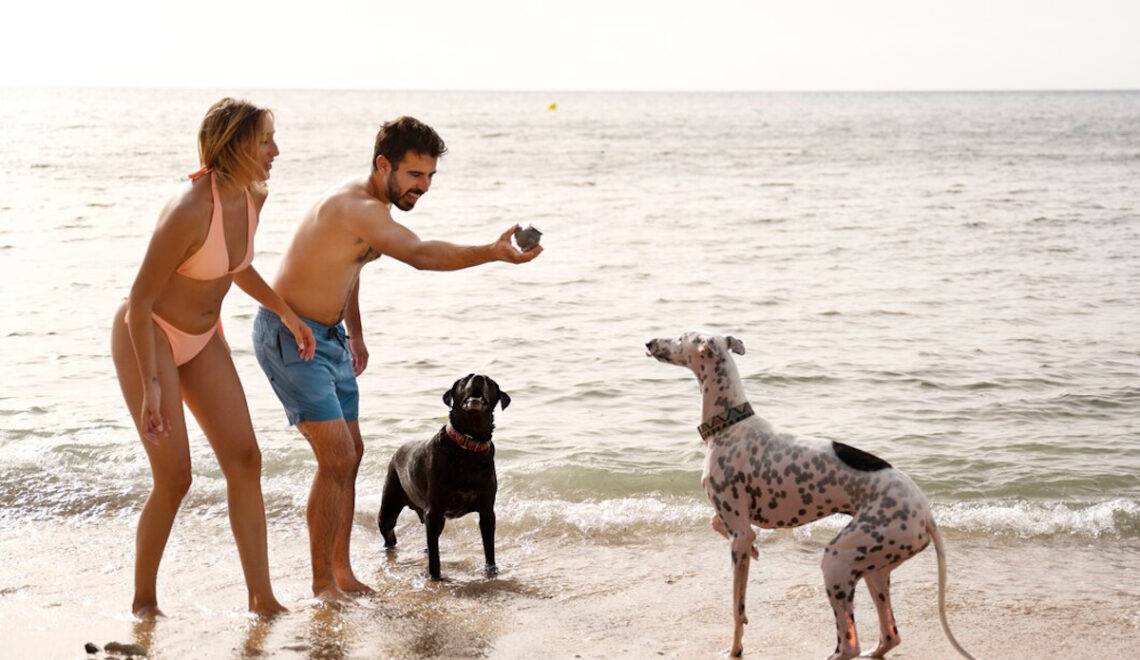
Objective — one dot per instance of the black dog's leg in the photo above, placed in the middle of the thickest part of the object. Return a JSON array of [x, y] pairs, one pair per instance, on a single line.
[[391, 504], [487, 529], [434, 528]]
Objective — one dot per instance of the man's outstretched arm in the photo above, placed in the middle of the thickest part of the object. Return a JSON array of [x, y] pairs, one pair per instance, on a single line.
[[397, 241]]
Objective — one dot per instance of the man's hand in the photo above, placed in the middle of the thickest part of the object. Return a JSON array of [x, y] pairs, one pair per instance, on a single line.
[[359, 353], [504, 250]]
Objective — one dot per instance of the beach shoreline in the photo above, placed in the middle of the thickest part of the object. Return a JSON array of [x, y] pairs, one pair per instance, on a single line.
[[647, 596]]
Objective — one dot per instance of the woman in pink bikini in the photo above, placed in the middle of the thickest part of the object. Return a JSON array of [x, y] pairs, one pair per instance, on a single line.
[[168, 347]]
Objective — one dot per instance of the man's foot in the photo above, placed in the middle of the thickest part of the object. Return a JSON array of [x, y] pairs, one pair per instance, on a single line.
[[266, 607], [350, 585], [334, 596]]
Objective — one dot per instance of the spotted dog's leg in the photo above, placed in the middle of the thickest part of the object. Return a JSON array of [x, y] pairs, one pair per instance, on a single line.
[[719, 528], [742, 551], [879, 584], [841, 571]]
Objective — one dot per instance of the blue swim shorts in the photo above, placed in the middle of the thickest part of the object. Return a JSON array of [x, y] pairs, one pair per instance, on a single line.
[[319, 390]]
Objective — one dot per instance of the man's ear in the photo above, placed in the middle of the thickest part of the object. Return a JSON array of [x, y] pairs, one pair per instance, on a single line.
[[383, 165], [735, 345]]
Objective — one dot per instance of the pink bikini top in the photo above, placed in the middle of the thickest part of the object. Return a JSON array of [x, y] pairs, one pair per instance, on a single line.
[[212, 260]]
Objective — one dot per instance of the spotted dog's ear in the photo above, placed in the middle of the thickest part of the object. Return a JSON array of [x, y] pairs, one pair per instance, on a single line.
[[734, 345]]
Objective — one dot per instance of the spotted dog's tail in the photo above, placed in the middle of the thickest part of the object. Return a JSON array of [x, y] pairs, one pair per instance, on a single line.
[[940, 552]]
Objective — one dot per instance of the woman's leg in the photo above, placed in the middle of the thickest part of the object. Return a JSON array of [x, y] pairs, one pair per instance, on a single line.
[[213, 392], [169, 460]]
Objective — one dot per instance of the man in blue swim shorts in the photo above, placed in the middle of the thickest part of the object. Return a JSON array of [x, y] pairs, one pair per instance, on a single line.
[[319, 278], [316, 390]]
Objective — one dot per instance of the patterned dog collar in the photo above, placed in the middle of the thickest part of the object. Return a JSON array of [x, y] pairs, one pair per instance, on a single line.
[[466, 441], [724, 420]]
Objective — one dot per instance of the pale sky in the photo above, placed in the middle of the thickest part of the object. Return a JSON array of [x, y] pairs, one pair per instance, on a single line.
[[574, 44]]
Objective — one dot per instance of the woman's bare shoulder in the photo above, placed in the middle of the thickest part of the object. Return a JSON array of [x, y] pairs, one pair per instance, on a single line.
[[188, 209]]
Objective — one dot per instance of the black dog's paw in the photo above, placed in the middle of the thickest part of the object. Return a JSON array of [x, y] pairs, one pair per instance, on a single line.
[[491, 571]]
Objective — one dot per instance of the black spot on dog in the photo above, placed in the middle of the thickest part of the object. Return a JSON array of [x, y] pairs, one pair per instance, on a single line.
[[858, 459]]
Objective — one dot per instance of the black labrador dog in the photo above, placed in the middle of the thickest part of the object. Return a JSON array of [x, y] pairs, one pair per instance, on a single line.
[[452, 474]]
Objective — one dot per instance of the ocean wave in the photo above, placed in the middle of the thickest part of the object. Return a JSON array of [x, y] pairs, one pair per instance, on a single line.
[[1103, 405], [31, 495], [1118, 518], [1114, 519]]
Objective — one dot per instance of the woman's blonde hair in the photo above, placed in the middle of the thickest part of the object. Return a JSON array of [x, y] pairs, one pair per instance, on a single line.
[[228, 141]]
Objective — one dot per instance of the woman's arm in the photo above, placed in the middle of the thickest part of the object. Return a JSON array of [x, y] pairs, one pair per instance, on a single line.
[[250, 281], [173, 237]]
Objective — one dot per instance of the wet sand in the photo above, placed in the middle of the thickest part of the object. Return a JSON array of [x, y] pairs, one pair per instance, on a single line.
[[652, 595]]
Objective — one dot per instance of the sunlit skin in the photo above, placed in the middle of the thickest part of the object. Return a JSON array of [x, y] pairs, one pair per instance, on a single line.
[[406, 185], [156, 389], [319, 277]]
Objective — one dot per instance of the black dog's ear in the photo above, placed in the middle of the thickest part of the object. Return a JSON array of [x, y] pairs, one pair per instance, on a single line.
[[504, 399], [449, 395]]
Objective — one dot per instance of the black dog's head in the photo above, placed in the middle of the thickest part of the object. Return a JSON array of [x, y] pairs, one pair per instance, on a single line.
[[472, 401]]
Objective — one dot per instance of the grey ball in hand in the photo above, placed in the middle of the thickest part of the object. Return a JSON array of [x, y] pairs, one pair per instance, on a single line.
[[527, 239]]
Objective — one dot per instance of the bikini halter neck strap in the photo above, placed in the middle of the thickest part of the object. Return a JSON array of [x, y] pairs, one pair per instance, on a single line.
[[201, 173]]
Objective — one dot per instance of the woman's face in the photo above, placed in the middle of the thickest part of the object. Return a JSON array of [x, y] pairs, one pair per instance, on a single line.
[[267, 146]]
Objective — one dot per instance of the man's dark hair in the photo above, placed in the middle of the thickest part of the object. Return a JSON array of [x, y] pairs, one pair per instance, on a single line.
[[399, 136]]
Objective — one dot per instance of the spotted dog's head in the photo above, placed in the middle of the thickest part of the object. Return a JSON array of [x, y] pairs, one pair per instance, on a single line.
[[693, 349], [472, 400]]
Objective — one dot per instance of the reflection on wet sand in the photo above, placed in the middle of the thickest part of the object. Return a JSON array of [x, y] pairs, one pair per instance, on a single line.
[[143, 632], [411, 616], [328, 636], [256, 635]]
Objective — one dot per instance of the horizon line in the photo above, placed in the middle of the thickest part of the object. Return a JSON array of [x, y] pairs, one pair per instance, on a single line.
[[838, 90]]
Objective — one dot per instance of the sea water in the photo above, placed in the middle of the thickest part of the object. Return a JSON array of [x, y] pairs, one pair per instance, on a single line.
[[947, 280]]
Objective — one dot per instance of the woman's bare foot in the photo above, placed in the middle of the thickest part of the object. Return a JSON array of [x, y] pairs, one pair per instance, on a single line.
[[148, 611]]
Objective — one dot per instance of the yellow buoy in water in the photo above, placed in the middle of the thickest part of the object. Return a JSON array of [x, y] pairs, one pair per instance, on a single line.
[[553, 106]]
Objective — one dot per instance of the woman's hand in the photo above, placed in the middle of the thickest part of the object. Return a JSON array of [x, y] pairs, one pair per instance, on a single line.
[[302, 334], [152, 423]]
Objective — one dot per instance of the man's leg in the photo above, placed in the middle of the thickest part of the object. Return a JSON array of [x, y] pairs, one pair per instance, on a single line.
[[342, 561], [331, 502]]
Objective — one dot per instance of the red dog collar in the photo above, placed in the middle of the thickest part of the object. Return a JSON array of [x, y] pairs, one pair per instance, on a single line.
[[466, 441]]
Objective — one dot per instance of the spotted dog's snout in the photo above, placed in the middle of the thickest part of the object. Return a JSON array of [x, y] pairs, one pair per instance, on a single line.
[[664, 350]]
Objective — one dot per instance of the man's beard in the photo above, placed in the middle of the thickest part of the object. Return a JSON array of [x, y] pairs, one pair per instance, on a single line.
[[401, 201]]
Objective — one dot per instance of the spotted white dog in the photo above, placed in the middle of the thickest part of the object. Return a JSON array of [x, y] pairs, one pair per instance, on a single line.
[[755, 476]]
